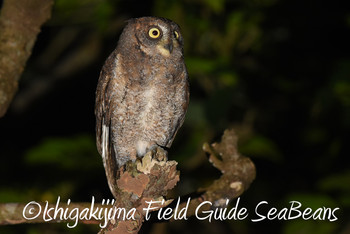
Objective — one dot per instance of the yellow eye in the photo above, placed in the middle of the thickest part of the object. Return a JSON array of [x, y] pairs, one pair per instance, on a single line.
[[176, 34], [154, 33]]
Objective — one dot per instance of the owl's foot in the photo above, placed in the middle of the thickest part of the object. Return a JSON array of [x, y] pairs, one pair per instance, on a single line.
[[159, 153]]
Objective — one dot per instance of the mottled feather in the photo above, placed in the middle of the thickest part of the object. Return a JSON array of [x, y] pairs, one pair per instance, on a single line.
[[142, 94]]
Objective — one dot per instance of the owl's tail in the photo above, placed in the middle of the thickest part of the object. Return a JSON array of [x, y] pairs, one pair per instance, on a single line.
[[109, 160]]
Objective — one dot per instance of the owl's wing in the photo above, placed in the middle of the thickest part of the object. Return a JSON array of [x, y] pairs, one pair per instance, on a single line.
[[186, 96], [103, 123]]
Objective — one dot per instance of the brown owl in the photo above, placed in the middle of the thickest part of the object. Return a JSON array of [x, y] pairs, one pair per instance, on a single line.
[[142, 93]]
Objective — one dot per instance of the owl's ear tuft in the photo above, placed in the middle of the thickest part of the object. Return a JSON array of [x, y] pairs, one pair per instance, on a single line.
[[130, 21]]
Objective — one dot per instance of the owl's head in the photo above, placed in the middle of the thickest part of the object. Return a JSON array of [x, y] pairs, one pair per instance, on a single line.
[[154, 36]]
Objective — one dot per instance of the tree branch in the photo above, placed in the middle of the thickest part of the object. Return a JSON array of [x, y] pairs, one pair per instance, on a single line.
[[20, 23], [152, 177], [142, 181], [12, 213], [238, 172]]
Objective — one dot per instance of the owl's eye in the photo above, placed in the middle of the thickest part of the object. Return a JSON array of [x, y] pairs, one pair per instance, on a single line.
[[176, 34], [154, 33]]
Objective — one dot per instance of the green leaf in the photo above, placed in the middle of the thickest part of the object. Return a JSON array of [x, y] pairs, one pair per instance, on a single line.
[[309, 227], [262, 147], [338, 182], [216, 5], [64, 152]]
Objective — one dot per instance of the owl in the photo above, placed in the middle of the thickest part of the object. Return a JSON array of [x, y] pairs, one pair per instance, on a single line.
[[142, 93]]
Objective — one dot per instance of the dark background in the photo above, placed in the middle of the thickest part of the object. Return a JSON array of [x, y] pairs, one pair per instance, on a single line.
[[276, 71]]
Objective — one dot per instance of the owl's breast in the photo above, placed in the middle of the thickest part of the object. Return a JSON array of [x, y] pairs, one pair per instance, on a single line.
[[159, 112], [149, 110]]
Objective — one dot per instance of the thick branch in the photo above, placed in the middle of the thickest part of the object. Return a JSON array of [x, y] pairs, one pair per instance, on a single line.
[[140, 182], [12, 213], [20, 23]]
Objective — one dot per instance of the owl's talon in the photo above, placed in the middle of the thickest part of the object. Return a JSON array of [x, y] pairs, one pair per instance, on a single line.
[[161, 154], [158, 152]]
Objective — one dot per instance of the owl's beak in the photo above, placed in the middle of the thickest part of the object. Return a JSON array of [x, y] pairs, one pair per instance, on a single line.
[[169, 46]]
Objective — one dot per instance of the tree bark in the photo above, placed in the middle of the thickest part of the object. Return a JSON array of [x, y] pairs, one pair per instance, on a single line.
[[20, 23]]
